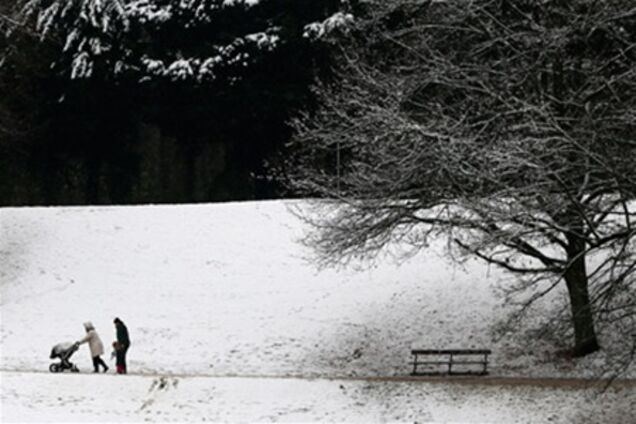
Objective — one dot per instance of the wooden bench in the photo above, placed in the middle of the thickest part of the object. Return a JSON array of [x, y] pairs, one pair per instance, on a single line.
[[451, 361]]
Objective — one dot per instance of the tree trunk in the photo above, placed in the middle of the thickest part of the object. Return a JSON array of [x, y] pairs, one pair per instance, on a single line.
[[93, 172], [190, 173], [585, 340], [49, 182]]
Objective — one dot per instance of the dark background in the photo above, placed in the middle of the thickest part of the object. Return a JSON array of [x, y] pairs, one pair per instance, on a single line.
[[127, 140]]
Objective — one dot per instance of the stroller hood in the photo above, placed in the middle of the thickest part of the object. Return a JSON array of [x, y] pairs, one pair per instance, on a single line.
[[62, 349]]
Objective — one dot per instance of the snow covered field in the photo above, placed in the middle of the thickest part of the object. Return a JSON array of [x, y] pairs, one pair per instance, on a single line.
[[222, 298], [145, 398]]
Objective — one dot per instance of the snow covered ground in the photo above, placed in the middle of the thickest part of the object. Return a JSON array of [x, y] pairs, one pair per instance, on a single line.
[[146, 398], [223, 299]]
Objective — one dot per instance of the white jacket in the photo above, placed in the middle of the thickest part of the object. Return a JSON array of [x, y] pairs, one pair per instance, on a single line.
[[94, 342]]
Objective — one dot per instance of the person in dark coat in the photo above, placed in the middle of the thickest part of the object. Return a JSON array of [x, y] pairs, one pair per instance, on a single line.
[[124, 343]]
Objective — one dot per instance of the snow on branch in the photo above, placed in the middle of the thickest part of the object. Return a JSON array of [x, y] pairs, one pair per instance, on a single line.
[[86, 29], [337, 21], [121, 34], [248, 3], [206, 69], [264, 40], [145, 11]]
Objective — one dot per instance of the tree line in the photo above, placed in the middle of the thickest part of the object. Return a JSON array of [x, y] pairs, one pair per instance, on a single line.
[[137, 101]]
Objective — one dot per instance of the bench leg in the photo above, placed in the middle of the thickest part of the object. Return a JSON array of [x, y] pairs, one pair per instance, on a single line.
[[415, 365]]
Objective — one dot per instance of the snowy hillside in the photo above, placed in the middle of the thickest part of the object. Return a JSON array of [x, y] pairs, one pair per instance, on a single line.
[[223, 301], [226, 289]]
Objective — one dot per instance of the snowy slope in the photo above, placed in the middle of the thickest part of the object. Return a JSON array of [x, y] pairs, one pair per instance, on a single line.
[[223, 299], [226, 289], [221, 289]]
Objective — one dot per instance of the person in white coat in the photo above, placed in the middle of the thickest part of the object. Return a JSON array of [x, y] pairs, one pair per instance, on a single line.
[[95, 345]]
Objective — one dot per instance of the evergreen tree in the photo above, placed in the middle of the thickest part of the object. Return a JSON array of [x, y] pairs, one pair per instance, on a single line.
[[203, 72]]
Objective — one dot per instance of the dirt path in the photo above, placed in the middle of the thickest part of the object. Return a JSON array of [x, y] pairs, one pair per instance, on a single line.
[[579, 383], [40, 396]]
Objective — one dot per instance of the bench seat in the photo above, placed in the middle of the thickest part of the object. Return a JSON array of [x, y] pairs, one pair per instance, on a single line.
[[454, 359]]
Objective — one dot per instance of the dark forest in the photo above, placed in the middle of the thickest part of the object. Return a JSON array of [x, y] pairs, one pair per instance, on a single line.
[[128, 102]]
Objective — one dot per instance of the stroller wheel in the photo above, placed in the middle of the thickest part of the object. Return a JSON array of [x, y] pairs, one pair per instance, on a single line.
[[54, 368]]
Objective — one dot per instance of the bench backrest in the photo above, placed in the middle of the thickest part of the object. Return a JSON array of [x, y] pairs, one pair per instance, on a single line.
[[451, 351]]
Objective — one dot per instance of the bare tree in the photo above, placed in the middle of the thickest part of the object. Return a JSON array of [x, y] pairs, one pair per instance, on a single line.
[[508, 124]]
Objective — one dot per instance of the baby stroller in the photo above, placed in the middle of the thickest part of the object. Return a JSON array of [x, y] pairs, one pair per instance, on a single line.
[[63, 351]]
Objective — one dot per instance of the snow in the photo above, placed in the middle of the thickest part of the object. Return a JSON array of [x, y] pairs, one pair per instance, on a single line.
[[338, 20], [82, 66], [180, 70], [223, 301], [193, 399], [204, 69], [145, 11], [248, 3], [263, 40]]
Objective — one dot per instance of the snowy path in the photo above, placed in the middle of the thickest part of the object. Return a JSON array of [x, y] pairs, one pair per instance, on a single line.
[[560, 382], [64, 397]]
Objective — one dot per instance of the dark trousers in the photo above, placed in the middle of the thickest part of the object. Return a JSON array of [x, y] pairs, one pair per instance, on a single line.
[[97, 361], [121, 357]]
